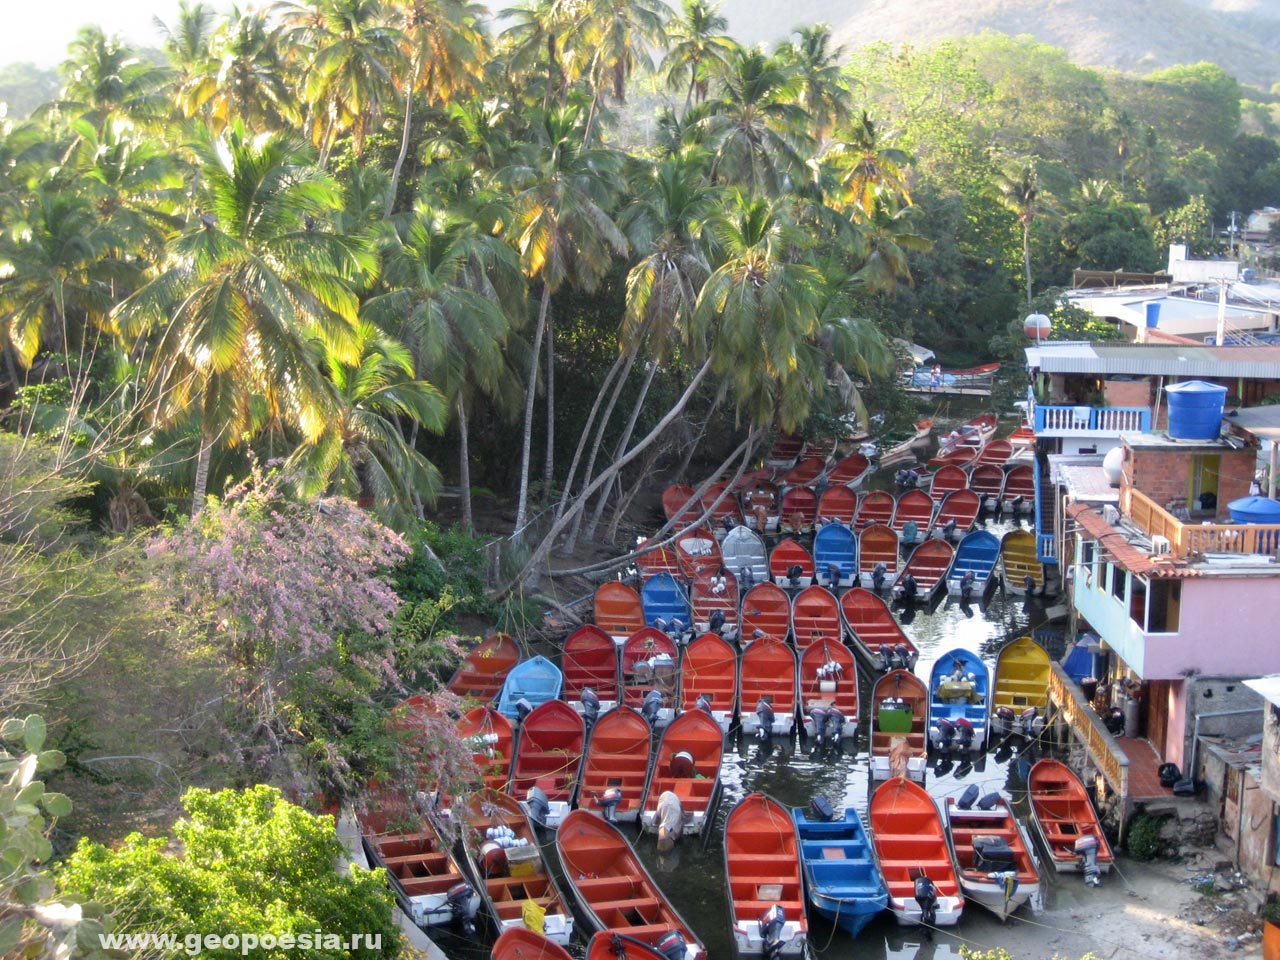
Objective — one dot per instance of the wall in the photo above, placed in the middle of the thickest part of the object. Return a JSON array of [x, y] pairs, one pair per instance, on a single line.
[[1127, 393], [1215, 608], [1271, 750], [1163, 474]]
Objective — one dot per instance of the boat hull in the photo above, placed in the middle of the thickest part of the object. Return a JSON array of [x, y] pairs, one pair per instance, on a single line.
[[767, 669], [898, 745], [842, 880], [762, 867], [910, 841], [700, 736]]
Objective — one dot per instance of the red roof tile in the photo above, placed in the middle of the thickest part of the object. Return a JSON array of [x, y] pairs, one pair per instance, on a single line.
[[1123, 552]]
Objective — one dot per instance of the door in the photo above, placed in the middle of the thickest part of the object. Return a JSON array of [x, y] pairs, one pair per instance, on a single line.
[[1202, 493], [1158, 714]]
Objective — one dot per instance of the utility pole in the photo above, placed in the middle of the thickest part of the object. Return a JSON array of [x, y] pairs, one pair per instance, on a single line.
[[1232, 233], [1222, 311]]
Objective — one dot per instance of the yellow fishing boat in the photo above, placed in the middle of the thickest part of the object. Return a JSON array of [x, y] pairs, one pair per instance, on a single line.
[[1021, 689], [1018, 560]]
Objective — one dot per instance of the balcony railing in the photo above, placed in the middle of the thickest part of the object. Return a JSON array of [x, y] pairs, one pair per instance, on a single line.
[[1106, 754], [1187, 538], [1046, 537], [1064, 421]]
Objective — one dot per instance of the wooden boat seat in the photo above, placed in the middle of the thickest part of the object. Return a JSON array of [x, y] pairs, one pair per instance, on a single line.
[[749, 859], [428, 860], [417, 886], [606, 886], [752, 909], [913, 865], [630, 903], [504, 882]]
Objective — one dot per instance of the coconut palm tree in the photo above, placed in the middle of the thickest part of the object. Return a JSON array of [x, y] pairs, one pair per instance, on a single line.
[[1018, 191], [868, 164], [106, 80], [885, 233], [531, 46], [189, 44], [824, 94], [251, 85], [697, 47], [615, 36]]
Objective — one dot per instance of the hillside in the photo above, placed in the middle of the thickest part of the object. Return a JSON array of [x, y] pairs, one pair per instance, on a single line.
[[1129, 35]]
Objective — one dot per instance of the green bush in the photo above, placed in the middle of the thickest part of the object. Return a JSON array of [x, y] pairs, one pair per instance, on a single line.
[[1144, 841]]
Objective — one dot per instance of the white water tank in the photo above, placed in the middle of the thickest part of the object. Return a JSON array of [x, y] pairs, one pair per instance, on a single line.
[[1112, 464]]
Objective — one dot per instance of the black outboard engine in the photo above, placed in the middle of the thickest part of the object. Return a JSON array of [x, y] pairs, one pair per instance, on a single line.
[[609, 801], [886, 657], [835, 725], [1006, 718], [927, 897], [704, 703], [944, 734], [715, 623], [818, 717], [967, 798], [672, 946], [538, 806], [833, 574], [462, 903], [772, 924], [590, 706], [746, 579], [1029, 583], [879, 574], [651, 706], [727, 523], [1016, 504], [523, 709], [902, 656], [820, 810], [794, 573], [967, 584], [1086, 848], [964, 733], [909, 588], [1028, 723], [764, 715]]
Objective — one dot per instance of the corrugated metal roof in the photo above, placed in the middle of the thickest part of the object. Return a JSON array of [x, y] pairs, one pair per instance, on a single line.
[[1151, 359], [1268, 686], [1262, 422]]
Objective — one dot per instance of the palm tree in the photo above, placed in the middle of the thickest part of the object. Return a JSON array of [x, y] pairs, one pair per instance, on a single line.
[[698, 45], [823, 90], [251, 85], [616, 35], [886, 232], [562, 230], [106, 80], [532, 47], [869, 165], [1018, 190], [250, 289], [189, 45]]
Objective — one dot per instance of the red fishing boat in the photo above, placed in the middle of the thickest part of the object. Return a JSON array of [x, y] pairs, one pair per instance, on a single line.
[[767, 675], [715, 591], [914, 506], [697, 549], [973, 434], [828, 679], [649, 662], [898, 748], [910, 843], [878, 546], [548, 756], [687, 764], [790, 564], [503, 854], [907, 449], [681, 505], [1062, 813], [766, 609], [947, 480], [924, 571], [492, 740], [617, 759], [613, 888], [760, 500], [996, 452], [876, 506], [785, 451], [838, 504], [607, 945], [987, 480], [849, 472], [656, 559], [709, 669], [724, 506], [824, 448], [804, 473], [959, 457], [799, 510], [762, 867], [815, 615], [619, 611], [521, 943], [485, 668], [962, 506], [590, 660], [875, 632], [1023, 440], [1020, 488]]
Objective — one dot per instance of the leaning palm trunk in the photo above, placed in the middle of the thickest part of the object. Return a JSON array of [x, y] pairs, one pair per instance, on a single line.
[[464, 469], [201, 483], [1026, 257], [549, 467], [404, 139], [522, 504], [622, 445], [586, 432]]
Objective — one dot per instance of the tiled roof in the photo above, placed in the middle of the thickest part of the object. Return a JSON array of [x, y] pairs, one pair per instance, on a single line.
[[1118, 547]]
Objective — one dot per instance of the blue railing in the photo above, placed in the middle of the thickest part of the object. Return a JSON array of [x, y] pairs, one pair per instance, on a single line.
[[1066, 420], [1046, 545]]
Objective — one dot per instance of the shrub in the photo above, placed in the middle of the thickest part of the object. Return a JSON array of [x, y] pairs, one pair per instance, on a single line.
[[1144, 841]]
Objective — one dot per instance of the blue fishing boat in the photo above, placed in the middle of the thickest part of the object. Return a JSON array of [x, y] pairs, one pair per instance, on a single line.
[[970, 573], [959, 702], [840, 873], [835, 556], [664, 601], [535, 680]]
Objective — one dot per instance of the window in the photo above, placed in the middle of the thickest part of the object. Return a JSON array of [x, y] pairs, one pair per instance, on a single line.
[[1119, 581], [1164, 604]]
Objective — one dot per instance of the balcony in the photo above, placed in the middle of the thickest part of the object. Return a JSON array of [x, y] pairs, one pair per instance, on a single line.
[[1083, 421], [1187, 538]]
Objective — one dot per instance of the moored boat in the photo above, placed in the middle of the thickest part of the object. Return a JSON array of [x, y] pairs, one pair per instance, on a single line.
[[837, 504], [618, 610], [959, 457], [879, 557], [849, 472], [957, 513], [948, 479], [533, 682], [492, 740], [656, 557], [959, 702], [504, 856], [687, 765], [901, 705], [799, 511], [1020, 693], [697, 549], [713, 600], [1063, 815], [767, 688], [835, 556], [912, 516], [876, 506], [1019, 493], [726, 513], [746, 556], [828, 690], [766, 609], [521, 943], [842, 880], [804, 473], [791, 565], [815, 615], [650, 664], [992, 853], [762, 872], [1019, 561], [995, 452], [709, 669], [485, 668], [913, 853], [613, 888], [875, 631], [760, 505], [924, 571], [665, 601], [682, 505], [907, 449], [785, 451], [608, 945], [548, 756], [987, 481], [616, 765], [590, 662], [971, 571], [973, 434]]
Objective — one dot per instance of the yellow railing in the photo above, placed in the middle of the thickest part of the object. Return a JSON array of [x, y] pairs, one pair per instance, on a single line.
[[1187, 538], [1106, 754]]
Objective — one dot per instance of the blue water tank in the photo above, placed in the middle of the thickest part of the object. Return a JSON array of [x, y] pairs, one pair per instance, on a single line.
[[1254, 510], [1195, 410], [1153, 314]]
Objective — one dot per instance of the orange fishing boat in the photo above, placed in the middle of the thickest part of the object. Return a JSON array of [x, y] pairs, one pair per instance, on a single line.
[[682, 505], [914, 507], [839, 504], [503, 854], [828, 681], [709, 668], [948, 479], [656, 559], [815, 615], [909, 840], [1023, 440], [615, 891], [548, 756], [766, 609], [590, 660], [804, 472], [901, 703], [616, 766], [767, 688], [987, 480], [972, 436], [485, 668], [714, 597], [924, 571], [607, 945], [962, 506], [521, 943], [760, 500], [687, 764], [762, 867], [1020, 488], [849, 472], [790, 564], [650, 662], [996, 452], [875, 632], [785, 451], [1063, 814], [879, 557], [992, 853], [824, 448], [619, 611], [492, 744], [799, 510], [876, 506], [697, 549], [723, 502], [959, 457]]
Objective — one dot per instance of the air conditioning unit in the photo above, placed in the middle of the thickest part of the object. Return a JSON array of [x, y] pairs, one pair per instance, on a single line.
[[1110, 514], [1160, 545]]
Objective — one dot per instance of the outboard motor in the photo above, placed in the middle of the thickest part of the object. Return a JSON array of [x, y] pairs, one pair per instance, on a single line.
[[989, 801], [1029, 584], [879, 574], [835, 725], [1016, 503], [1006, 717], [944, 734], [886, 657], [651, 706], [902, 656], [772, 924], [967, 798], [964, 733], [704, 703], [715, 623], [672, 946], [609, 801], [538, 806], [820, 810], [818, 717], [794, 573], [833, 574], [727, 523], [910, 531], [590, 706], [462, 903], [1029, 723], [949, 529], [746, 579], [1086, 848], [967, 584], [927, 897], [909, 588], [523, 709], [764, 715]]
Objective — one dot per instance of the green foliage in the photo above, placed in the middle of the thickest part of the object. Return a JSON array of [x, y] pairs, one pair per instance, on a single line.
[[1143, 836], [249, 862], [449, 586], [1191, 224]]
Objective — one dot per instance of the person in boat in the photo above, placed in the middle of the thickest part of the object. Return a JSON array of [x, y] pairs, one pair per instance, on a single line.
[[670, 820]]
